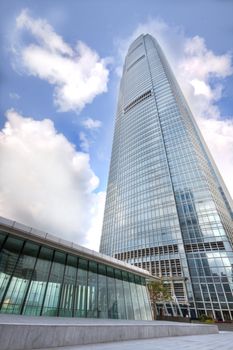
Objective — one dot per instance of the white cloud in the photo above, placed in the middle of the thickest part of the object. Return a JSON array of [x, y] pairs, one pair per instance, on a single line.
[[91, 124], [96, 222], [14, 96], [78, 75], [201, 88], [203, 63], [44, 33], [219, 136], [85, 143], [46, 183], [201, 74]]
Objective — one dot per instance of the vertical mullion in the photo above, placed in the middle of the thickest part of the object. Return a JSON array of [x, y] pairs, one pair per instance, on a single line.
[[106, 277], [46, 287], [75, 286], [86, 291], [96, 293], [130, 293], [4, 241], [62, 282], [28, 287], [12, 274]]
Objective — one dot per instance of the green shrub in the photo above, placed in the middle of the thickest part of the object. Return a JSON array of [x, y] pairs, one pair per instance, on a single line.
[[210, 321], [206, 319]]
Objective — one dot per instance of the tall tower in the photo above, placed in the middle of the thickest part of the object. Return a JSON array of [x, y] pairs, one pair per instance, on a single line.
[[167, 208]]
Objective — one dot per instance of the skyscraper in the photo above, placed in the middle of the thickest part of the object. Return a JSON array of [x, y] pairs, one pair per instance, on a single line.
[[167, 207]]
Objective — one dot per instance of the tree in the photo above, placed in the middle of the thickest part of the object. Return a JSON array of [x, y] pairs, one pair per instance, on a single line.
[[159, 292]]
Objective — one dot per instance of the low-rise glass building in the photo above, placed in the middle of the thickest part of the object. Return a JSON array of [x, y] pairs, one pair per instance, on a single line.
[[43, 275]]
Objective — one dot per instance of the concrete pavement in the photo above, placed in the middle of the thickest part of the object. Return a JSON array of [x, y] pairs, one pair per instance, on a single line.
[[27, 333], [222, 340]]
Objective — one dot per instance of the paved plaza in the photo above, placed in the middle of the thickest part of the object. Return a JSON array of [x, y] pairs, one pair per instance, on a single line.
[[27, 333], [217, 341], [223, 340]]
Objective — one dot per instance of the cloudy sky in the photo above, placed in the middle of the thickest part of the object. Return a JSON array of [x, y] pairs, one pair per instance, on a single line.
[[60, 67]]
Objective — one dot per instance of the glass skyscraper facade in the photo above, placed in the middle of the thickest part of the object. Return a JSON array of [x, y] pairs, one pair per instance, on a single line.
[[41, 275], [167, 209]]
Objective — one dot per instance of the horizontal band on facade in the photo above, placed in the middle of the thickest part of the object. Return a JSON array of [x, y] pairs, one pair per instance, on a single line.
[[135, 62], [138, 100], [133, 50]]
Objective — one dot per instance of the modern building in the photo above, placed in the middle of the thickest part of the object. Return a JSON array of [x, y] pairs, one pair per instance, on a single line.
[[167, 208], [41, 275]]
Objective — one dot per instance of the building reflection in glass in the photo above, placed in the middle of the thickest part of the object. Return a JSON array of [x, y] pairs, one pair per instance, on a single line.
[[38, 280], [209, 259]]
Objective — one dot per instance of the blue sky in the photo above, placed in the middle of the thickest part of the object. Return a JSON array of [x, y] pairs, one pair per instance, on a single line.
[[60, 69]]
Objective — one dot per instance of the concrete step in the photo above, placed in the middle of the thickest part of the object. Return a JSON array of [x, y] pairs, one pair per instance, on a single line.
[[18, 332]]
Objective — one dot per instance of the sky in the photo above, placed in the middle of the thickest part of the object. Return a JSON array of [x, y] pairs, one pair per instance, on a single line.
[[61, 63]]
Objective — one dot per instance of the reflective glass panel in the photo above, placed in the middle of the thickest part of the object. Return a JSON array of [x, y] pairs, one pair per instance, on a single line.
[[68, 287], [111, 290], [9, 258], [120, 295], [102, 292], [35, 295], [51, 302], [80, 304], [19, 283]]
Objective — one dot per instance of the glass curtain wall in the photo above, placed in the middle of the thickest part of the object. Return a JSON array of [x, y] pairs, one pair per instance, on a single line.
[[167, 209], [38, 280]]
